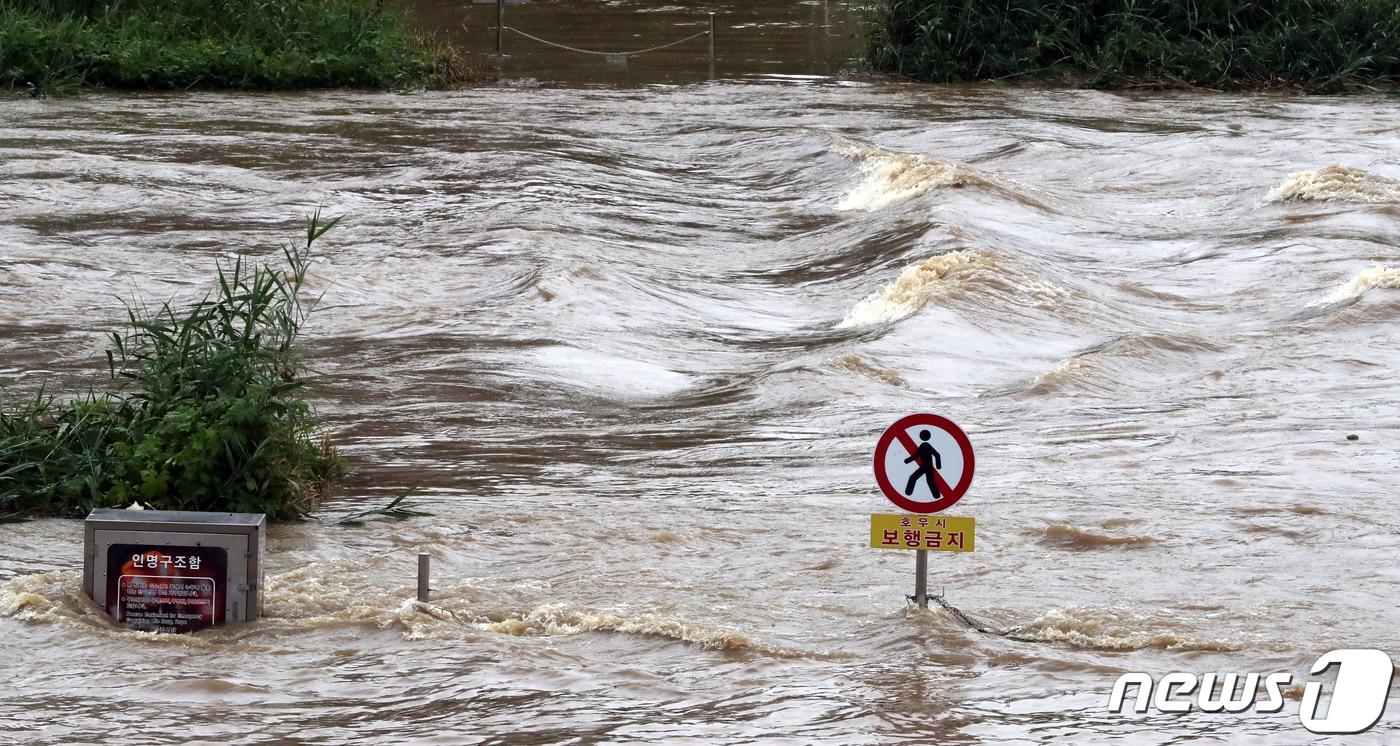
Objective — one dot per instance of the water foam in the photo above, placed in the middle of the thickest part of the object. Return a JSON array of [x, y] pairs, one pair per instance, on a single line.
[[1069, 537], [31, 597], [1102, 628], [1063, 373], [1336, 183], [946, 275], [915, 286], [56, 598], [858, 365], [1379, 276], [324, 595], [1074, 369], [316, 595], [895, 178], [561, 619]]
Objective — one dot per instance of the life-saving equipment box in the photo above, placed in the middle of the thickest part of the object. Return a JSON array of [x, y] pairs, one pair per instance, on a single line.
[[174, 570]]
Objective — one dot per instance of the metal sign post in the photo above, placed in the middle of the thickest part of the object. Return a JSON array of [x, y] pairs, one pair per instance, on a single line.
[[923, 464], [921, 578], [923, 534]]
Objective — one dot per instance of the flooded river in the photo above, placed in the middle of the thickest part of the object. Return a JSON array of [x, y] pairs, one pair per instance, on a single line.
[[633, 344]]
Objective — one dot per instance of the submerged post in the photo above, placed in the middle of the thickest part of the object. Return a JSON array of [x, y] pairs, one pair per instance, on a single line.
[[500, 23], [423, 560], [921, 578], [712, 44]]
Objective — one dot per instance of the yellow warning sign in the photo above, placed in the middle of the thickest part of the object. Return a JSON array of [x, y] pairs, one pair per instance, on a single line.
[[936, 533]]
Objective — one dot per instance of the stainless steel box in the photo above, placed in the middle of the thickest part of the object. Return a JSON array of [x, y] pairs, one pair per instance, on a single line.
[[174, 570]]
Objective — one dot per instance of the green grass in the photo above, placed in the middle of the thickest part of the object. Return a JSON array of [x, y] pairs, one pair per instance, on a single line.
[[1317, 45], [55, 46], [207, 411]]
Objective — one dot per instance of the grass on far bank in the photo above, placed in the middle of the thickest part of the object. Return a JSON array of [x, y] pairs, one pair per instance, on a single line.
[[207, 411], [1316, 45], [56, 46]]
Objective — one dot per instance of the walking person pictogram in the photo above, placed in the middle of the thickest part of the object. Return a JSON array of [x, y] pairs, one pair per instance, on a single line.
[[928, 459]]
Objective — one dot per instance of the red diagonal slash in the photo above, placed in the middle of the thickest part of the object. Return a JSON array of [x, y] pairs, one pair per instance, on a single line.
[[899, 432]]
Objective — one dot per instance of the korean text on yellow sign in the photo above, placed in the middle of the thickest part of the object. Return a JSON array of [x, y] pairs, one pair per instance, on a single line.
[[935, 533]]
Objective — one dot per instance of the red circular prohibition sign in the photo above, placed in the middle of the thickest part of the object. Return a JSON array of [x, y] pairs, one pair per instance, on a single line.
[[898, 433]]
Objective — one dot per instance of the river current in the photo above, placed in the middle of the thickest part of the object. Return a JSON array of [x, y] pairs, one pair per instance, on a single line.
[[632, 345]]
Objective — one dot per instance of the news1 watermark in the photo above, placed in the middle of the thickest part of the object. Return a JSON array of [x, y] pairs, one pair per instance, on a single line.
[[1355, 704]]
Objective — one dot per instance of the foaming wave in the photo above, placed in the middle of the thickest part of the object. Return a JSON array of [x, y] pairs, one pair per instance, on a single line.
[[566, 619], [1064, 372], [1379, 276], [944, 275], [916, 285], [894, 178], [1100, 628], [856, 364], [57, 598], [324, 595], [1069, 537], [325, 591], [1073, 370], [1336, 183], [316, 595], [562, 619], [38, 597]]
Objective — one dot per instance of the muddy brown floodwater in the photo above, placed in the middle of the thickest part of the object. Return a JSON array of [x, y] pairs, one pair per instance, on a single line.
[[633, 344]]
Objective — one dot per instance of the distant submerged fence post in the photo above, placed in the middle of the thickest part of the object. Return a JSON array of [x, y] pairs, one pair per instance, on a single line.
[[500, 24], [712, 44]]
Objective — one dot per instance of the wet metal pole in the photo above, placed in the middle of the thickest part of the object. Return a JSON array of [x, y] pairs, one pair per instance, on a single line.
[[712, 44], [921, 578], [423, 560]]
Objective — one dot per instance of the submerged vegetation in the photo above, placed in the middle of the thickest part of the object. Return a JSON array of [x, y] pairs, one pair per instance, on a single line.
[[51, 46], [1317, 45], [206, 413]]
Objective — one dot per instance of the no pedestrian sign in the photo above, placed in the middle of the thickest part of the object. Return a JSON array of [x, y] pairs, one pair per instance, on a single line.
[[924, 463]]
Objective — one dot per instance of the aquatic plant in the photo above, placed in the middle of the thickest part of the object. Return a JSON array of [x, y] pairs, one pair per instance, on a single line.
[[1318, 45], [207, 411], [395, 510], [55, 46]]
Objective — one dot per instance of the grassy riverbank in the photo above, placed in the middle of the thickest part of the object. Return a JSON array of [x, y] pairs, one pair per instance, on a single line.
[[206, 411], [1318, 45], [59, 45]]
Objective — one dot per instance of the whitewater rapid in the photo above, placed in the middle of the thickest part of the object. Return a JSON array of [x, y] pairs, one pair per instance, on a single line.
[[632, 347]]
